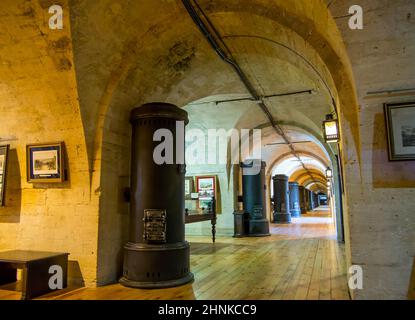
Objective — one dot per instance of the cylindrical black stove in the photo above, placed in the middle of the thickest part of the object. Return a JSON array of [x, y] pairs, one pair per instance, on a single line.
[[254, 187], [281, 199], [157, 254], [294, 199]]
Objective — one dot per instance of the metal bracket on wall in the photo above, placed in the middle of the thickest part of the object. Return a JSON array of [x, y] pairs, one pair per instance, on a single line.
[[410, 92]]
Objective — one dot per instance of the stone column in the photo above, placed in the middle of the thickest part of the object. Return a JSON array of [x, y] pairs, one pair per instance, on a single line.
[[157, 255], [294, 197], [254, 203], [281, 199], [303, 204]]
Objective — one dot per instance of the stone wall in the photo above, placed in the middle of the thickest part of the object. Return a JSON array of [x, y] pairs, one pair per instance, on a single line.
[[39, 104], [382, 220], [48, 95]]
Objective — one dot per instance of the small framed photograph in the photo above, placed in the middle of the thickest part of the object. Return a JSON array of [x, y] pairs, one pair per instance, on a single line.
[[206, 187], [400, 125], [189, 187], [4, 152], [45, 163]]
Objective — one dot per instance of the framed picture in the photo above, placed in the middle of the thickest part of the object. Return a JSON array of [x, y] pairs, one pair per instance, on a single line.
[[45, 163], [206, 188], [189, 187], [400, 125], [4, 151]]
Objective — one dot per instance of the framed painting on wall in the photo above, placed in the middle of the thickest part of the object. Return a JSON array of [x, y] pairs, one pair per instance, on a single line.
[[206, 188], [400, 126], [45, 163], [4, 151]]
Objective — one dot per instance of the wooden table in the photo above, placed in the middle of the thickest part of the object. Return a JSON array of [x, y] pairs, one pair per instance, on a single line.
[[35, 266], [195, 217]]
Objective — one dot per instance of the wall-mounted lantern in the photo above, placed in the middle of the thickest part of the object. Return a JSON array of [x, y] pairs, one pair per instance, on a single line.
[[331, 129], [329, 173]]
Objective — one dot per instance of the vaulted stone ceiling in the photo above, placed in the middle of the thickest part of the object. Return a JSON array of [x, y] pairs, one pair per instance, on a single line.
[[132, 54], [136, 52]]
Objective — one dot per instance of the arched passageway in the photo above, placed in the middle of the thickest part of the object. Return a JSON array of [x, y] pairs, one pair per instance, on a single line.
[[297, 80], [291, 64]]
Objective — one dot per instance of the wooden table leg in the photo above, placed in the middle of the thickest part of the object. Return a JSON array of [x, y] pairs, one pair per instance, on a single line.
[[213, 221]]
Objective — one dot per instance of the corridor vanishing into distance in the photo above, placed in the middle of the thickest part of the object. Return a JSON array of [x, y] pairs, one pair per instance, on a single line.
[[207, 149], [301, 260]]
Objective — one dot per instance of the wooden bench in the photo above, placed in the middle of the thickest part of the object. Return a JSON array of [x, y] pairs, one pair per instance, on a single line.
[[35, 267]]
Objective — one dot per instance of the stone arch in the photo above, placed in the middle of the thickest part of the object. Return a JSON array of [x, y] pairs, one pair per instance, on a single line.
[[322, 34], [105, 104], [288, 155]]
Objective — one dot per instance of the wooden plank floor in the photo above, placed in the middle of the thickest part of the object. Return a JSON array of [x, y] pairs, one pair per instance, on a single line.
[[298, 261]]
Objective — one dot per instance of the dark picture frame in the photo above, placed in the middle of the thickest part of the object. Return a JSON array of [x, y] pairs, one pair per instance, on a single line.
[[4, 154], [400, 128], [45, 163]]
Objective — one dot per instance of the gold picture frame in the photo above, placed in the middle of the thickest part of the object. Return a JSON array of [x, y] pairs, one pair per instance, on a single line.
[[45, 163]]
